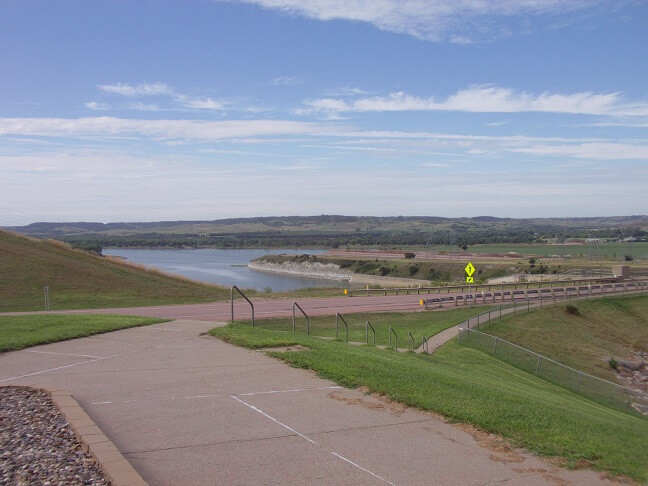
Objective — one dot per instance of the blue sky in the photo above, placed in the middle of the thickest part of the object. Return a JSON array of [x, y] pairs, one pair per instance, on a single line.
[[204, 109]]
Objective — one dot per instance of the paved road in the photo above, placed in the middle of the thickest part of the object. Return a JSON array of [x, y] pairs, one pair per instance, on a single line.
[[188, 409]]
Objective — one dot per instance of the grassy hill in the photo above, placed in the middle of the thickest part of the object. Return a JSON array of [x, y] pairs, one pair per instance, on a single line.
[[611, 326], [78, 279]]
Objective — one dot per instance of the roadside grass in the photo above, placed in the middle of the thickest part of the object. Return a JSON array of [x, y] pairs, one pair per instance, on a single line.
[[23, 331], [418, 323], [466, 385], [604, 327]]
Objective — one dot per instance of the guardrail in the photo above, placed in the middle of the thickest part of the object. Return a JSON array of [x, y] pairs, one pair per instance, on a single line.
[[410, 341], [477, 287], [540, 294], [234, 287]]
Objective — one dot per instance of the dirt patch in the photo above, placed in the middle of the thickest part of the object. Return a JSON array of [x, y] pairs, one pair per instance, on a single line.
[[504, 452], [383, 404], [283, 349]]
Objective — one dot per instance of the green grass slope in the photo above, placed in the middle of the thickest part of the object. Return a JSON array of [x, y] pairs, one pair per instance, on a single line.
[[79, 279], [469, 386], [610, 326]]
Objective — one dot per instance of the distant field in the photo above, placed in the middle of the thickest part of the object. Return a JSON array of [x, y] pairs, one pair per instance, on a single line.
[[606, 327], [18, 332], [78, 279]]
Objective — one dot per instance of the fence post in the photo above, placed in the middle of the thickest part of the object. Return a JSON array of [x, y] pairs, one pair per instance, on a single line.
[[46, 293], [495, 347], [537, 365], [580, 377]]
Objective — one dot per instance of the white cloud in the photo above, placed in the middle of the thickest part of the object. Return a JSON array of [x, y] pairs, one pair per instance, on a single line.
[[145, 89], [487, 99], [286, 81], [460, 21], [596, 151], [97, 105], [200, 104], [163, 129], [139, 106]]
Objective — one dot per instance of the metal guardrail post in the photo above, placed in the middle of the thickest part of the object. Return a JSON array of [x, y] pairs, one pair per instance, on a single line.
[[391, 330], [295, 304], [337, 317], [367, 326], [410, 341], [234, 287], [46, 295], [426, 347]]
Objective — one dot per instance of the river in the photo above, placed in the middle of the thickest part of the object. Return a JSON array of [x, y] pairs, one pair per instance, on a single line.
[[223, 267]]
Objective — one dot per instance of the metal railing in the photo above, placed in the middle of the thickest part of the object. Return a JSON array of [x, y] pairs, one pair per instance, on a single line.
[[391, 331], [478, 287], [541, 294], [339, 317], [234, 287], [600, 390], [424, 344], [295, 304], [367, 327], [410, 341]]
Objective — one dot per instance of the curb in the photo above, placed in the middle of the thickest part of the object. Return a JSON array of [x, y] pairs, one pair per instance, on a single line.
[[117, 470]]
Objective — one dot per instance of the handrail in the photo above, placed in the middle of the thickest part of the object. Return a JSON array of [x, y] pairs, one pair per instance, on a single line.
[[391, 330], [367, 326], [425, 345], [339, 316], [242, 295], [295, 304], [410, 341]]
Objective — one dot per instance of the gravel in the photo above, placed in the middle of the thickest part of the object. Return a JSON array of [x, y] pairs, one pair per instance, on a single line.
[[37, 446]]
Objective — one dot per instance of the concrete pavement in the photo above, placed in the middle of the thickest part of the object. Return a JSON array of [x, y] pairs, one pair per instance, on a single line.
[[185, 408]]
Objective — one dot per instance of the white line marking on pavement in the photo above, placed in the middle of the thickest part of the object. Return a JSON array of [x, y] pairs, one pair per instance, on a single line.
[[311, 440], [288, 391], [273, 419], [93, 360], [63, 354]]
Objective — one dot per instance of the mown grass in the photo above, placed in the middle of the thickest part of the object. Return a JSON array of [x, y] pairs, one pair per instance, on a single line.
[[23, 331], [420, 324], [469, 386], [78, 279], [605, 327]]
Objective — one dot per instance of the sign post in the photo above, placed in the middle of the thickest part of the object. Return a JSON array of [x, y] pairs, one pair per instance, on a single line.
[[470, 269]]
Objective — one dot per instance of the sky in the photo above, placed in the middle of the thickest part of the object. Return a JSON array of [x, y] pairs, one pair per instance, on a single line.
[[115, 110]]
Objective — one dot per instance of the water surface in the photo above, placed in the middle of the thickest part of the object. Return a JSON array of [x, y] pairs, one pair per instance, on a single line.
[[223, 267]]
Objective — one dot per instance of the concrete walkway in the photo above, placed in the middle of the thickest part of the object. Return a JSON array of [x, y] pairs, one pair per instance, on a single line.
[[188, 409]]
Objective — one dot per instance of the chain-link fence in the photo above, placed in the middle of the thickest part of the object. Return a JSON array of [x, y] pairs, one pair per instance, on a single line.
[[602, 391]]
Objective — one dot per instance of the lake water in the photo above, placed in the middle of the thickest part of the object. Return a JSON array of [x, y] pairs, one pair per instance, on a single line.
[[223, 267]]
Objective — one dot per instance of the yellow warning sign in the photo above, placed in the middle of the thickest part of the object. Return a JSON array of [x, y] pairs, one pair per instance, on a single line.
[[470, 280], [469, 269]]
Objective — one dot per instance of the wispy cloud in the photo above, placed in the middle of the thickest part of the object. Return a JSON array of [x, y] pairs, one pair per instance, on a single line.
[[145, 89], [158, 129], [97, 105], [486, 99], [286, 81], [594, 151], [200, 104], [460, 22]]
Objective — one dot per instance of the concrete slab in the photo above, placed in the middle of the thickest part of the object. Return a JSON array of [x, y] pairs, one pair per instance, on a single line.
[[189, 409]]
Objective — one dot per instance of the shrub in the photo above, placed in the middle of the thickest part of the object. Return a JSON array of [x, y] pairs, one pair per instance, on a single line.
[[613, 363], [572, 309], [409, 254]]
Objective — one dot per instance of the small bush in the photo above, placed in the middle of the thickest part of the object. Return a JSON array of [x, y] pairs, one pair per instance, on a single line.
[[613, 364], [409, 254], [572, 310]]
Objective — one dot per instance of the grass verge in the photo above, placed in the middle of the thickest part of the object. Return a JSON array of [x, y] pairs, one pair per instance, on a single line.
[[585, 340], [418, 323], [469, 386], [23, 331]]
